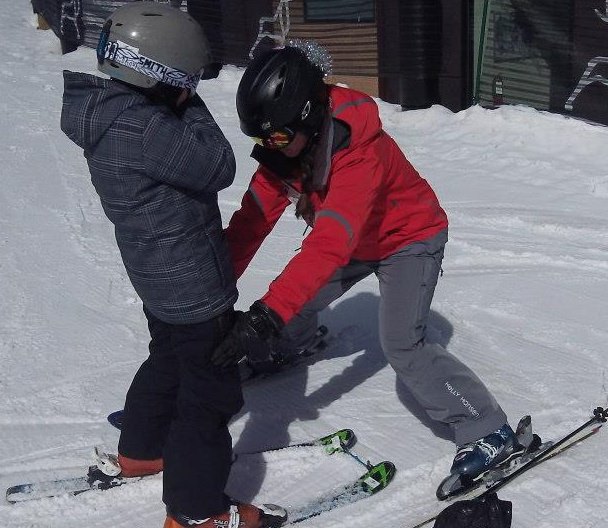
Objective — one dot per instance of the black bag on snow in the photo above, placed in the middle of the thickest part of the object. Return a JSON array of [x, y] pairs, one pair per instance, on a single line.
[[486, 512]]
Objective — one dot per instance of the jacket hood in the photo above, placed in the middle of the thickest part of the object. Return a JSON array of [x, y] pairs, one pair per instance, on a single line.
[[91, 104]]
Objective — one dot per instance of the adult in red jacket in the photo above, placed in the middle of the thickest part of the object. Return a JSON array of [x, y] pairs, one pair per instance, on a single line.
[[324, 149]]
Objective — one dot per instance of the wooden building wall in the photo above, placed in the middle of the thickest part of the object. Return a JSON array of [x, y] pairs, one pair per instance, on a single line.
[[353, 46]]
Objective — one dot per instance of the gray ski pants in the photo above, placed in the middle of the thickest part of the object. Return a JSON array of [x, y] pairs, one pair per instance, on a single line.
[[446, 389]]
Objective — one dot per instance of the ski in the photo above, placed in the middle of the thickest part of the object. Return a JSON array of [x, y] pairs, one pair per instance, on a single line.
[[96, 479], [376, 478], [502, 475], [251, 376], [339, 441]]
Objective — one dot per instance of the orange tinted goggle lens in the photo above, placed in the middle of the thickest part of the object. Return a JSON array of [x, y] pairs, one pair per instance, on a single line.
[[276, 140]]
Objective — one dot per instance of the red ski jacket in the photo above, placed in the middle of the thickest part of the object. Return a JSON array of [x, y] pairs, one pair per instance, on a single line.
[[369, 202]]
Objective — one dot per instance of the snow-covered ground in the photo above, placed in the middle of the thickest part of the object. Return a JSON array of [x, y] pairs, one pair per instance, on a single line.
[[523, 301]]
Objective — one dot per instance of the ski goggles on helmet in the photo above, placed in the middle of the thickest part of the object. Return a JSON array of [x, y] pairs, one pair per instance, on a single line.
[[276, 140], [128, 56]]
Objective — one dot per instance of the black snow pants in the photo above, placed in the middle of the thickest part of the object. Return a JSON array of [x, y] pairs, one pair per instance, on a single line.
[[178, 408]]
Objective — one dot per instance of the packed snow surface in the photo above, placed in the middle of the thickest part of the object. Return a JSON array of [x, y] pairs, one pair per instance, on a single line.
[[523, 300]]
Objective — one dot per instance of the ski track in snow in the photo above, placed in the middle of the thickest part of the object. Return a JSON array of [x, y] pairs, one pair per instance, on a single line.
[[522, 300]]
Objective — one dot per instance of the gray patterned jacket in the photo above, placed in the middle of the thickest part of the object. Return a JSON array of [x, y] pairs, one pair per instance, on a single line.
[[158, 177]]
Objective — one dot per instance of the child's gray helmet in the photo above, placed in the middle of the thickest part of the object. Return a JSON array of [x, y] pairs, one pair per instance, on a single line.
[[145, 43]]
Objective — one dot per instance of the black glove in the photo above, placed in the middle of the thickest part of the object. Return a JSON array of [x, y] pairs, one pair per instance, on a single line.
[[260, 323]]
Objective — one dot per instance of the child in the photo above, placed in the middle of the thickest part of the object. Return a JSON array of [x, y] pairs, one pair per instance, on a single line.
[[157, 160]]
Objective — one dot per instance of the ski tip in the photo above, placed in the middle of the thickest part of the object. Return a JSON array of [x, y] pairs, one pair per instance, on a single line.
[[389, 471], [378, 477], [456, 487], [338, 441], [347, 438], [14, 492], [448, 487], [115, 419]]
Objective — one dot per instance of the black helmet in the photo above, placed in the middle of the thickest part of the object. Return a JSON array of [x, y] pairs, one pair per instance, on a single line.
[[281, 88]]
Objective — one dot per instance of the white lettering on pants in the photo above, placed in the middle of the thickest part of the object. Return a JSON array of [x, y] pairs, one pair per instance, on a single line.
[[452, 390]]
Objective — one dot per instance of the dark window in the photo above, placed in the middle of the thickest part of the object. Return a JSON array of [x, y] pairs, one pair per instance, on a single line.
[[339, 10]]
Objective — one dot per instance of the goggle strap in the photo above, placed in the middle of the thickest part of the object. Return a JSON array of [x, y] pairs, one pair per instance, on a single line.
[[129, 56]]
